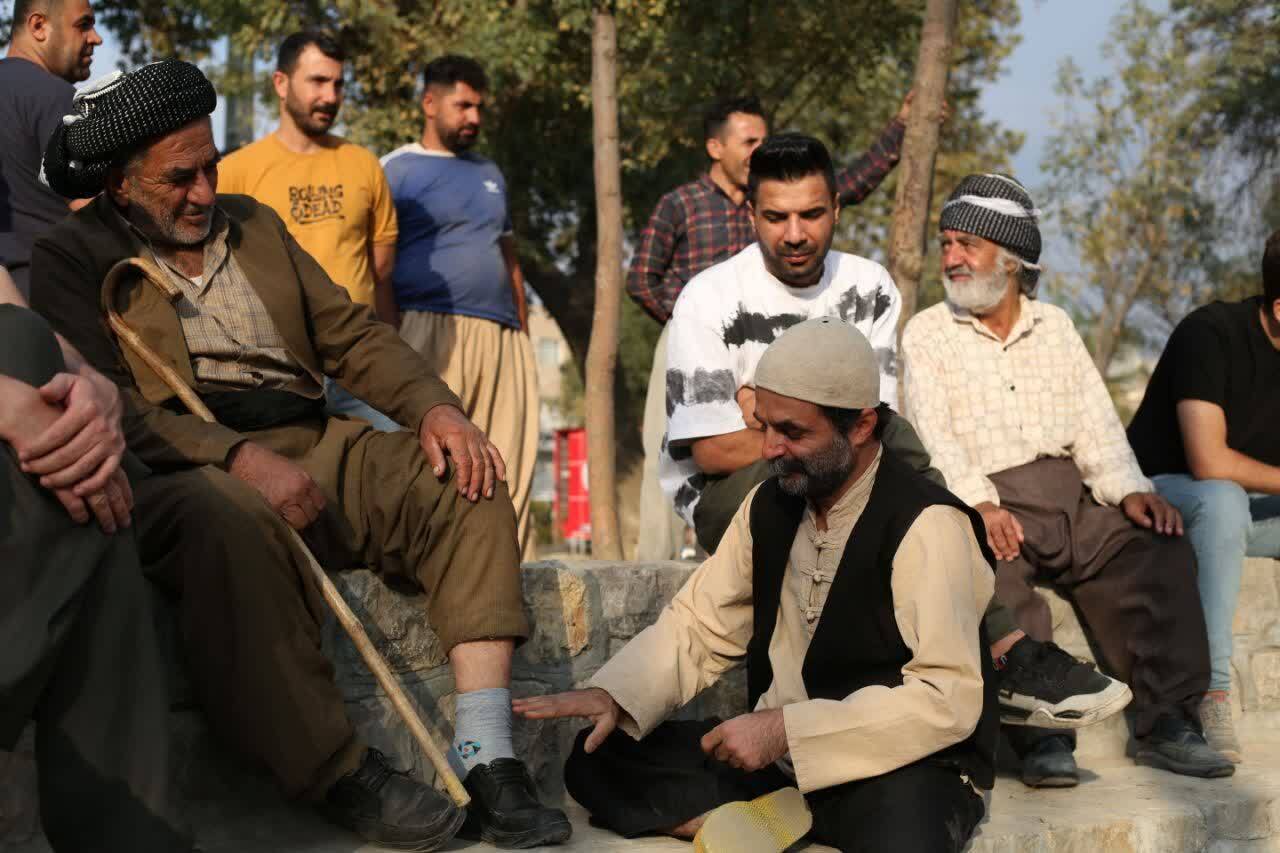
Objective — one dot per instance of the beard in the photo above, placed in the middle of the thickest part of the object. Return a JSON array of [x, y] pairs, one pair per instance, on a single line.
[[817, 475], [981, 293], [314, 119], [165, 225], [461, 138]]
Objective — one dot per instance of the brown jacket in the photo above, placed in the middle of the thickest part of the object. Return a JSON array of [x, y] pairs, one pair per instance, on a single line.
[[326, 332]]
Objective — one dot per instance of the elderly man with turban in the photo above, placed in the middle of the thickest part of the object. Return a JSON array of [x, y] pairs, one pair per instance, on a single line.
[[854, 587], [1010, 405], [255, 326]]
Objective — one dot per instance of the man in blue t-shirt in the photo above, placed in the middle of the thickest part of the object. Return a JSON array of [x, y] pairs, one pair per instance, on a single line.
[[458, 286]]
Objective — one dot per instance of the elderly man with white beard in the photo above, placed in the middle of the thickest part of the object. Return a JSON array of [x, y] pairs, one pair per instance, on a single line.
[[1017, 418]]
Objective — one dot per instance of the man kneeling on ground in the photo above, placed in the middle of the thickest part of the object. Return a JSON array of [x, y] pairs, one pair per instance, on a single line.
[[855, 588], [256, 326]]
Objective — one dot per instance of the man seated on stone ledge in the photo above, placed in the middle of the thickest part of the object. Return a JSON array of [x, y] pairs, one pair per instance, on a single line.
[[257, 328], [854, 587], [1016, 416], [74, 607], [722, 322], [1208, 435]]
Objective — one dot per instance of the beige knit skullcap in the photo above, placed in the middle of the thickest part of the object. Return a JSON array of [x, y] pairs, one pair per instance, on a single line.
[[823, 361]]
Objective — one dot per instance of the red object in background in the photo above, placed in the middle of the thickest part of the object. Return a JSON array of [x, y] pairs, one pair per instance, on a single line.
[[572, 505]]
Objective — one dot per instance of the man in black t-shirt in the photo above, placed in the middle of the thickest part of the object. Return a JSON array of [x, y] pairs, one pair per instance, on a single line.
[[51, 48], [1208, 435]]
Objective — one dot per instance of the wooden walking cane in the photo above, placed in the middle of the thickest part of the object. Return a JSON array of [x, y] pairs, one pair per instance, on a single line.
[[350, 623]]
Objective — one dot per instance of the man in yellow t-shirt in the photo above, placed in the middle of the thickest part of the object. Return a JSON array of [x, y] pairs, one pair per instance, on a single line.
[[331, 193]]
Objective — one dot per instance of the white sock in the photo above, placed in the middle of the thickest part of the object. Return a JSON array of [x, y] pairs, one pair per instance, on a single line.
[[483, 729]]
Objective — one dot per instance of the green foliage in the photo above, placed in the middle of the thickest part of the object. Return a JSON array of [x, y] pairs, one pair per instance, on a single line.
[[1127, 179], [1236, 44]]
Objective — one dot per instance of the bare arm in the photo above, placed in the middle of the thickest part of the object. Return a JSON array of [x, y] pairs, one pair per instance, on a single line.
[[1204, 435], [384, 297], [724, 454], [508, 245]]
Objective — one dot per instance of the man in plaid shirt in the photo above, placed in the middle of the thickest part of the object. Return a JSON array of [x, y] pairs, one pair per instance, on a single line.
[[700, 224]]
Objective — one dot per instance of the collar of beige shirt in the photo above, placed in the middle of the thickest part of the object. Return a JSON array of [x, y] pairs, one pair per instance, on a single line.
[[847, 510], [1029, 315]]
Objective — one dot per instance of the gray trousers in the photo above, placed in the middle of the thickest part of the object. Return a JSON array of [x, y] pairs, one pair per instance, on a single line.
[[78, 652]]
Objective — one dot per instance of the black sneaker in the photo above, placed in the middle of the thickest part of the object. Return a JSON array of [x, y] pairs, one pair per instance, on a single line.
[[389, 807], [1176, 745], [1051, 763], [1041, 685], [505, 810]]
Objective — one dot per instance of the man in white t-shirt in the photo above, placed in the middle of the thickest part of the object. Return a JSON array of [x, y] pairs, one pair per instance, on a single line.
[[725, 318], [728, 315]]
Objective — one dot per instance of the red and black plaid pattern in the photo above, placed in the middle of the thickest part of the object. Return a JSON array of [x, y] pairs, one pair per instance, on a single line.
[[696, 226]]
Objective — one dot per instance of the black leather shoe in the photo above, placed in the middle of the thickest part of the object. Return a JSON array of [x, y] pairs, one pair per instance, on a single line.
[[391, 808], [1176, 745], [505, 810], [1050, 764]]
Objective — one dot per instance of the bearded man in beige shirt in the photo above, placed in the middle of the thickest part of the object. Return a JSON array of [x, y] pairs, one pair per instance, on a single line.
[[1013, 412], [854, 588]]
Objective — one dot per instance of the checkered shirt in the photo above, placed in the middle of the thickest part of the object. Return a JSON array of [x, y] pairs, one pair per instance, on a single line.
[[696, 225], [983, 405], [230, 336]]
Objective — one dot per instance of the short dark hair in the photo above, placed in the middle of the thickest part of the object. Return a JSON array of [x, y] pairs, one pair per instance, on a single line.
[[716, 115], [293, 46], [451, 69], [789, 157], [844, 419], [1271, 269], [23, 8]]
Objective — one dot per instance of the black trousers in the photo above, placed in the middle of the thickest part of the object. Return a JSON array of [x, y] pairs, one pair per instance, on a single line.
[[78, 652], [638, 788]]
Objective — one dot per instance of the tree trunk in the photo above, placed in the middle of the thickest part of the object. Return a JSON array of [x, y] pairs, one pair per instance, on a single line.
[[602, 352], [919, 151], [239, 127]]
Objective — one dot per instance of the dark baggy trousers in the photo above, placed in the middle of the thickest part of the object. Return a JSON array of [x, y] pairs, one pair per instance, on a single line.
[[1136, 590], [250, 614], [722, 496], [78, 651], [649, 786]]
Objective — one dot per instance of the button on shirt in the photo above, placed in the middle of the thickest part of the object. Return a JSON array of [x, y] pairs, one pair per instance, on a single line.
[[982, 405]]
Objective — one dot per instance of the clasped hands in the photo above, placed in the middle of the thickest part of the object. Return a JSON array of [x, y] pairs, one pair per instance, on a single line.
[[67, 433], [748, 742]]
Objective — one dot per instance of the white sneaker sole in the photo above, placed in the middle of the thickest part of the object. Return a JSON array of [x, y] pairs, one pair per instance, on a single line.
[[1071, 713]]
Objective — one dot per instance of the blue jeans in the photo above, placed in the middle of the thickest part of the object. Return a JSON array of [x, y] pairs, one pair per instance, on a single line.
[[339, 401], [1225, 524]]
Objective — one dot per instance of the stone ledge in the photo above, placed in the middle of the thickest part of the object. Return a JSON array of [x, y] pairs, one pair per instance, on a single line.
[[582, 613]]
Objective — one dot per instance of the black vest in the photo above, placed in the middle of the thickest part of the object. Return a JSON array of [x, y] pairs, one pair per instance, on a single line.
[[857, 643]]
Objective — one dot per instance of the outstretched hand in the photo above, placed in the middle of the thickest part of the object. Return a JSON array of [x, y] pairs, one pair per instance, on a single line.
[[446, 431], [594, 704]]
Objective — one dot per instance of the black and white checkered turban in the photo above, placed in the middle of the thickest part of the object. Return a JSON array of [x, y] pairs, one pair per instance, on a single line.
[[114, 115], [997, 208]]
